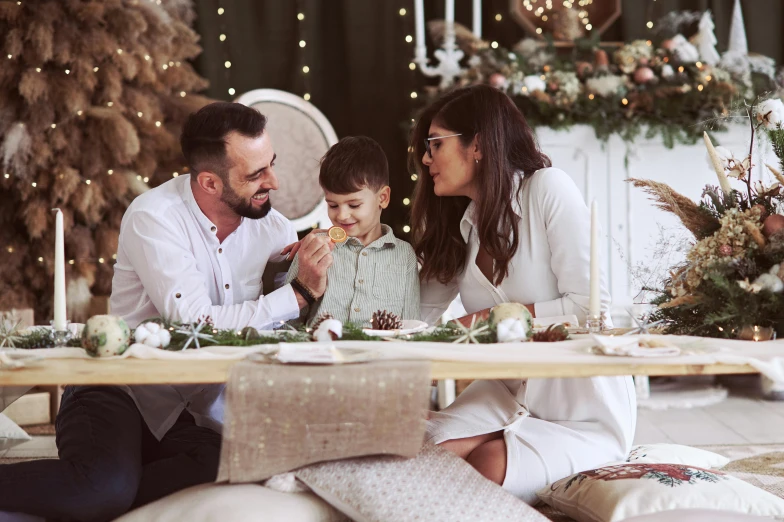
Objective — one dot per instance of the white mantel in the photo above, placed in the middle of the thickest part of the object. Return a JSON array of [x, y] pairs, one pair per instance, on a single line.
[[600, 170]]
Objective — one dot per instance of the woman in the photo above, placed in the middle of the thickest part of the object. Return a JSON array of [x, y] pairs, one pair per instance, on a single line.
[[495, 222]]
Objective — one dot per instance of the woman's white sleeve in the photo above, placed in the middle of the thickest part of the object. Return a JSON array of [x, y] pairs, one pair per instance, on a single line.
[[568, 225], [435, 298]]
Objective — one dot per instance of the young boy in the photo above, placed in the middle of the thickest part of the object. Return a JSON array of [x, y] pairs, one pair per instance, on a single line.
[[372, 270]]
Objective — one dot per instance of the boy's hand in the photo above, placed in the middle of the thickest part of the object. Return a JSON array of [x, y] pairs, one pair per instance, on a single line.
[[315, 257], [291, 250]]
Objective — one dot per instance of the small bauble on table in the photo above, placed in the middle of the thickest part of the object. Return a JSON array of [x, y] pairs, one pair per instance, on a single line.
[[105, 335]]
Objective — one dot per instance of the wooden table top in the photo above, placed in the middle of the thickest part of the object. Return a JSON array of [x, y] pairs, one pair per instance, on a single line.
[[147, 371]]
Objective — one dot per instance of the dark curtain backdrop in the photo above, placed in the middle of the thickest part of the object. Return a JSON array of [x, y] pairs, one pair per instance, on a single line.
[[359, 59]]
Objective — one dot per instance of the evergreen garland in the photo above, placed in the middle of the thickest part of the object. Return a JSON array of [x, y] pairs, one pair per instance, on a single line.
[[42, 338]]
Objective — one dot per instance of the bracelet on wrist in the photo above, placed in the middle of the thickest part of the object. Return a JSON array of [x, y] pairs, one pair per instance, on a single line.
[[304, 291]]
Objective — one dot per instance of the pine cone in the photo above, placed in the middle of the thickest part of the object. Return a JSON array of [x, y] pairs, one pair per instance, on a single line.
[[320, 319], [553, 334], [383, 320]]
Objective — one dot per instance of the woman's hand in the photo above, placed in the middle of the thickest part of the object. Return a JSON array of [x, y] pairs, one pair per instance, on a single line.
[[291, 250]]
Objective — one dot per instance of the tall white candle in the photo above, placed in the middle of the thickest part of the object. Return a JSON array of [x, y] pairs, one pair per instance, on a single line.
[[450, 11], [419, 23], [595, 302], [59, 273], [477, 18]]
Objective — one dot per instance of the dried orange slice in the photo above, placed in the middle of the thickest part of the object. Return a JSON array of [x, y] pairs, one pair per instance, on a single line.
[[337, 234]]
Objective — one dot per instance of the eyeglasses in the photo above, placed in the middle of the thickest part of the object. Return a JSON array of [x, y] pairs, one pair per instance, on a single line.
[[428, 140]]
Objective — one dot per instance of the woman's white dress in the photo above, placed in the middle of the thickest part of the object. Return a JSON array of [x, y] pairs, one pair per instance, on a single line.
[[552, 427]]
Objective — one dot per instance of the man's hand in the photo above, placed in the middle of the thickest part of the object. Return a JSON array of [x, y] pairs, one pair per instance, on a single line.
[[315, 257], [291, 250]]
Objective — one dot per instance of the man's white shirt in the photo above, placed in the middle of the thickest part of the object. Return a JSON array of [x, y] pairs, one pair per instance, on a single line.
[[170, 264]]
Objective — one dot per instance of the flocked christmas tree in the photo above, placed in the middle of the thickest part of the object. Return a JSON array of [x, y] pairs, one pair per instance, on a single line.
[[92, 98], [705, 40]]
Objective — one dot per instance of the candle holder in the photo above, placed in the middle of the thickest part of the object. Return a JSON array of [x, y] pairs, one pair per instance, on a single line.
[[596, 323], [60, 338], [757, 333]]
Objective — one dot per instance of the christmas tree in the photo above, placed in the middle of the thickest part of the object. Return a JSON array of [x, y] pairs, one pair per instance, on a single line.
[[705, 40], [92, 98]]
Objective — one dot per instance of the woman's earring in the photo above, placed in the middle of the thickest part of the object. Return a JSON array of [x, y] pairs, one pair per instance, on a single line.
[[477, 161]]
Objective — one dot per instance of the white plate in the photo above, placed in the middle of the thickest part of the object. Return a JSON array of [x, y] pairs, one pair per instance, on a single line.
[[410, 326]]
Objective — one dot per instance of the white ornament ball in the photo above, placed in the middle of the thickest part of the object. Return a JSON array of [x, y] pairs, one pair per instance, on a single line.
[[533, 83], [667, 71], [105, 335]]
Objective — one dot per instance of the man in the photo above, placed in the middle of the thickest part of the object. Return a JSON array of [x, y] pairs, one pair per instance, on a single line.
[[192, 248]]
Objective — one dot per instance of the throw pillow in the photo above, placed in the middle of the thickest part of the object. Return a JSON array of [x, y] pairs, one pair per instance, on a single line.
[[617, 492], [676, 454], [436, 485], [235, 503]]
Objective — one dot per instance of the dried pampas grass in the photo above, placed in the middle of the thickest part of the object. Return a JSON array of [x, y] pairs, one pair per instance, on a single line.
[[699, 223], [92, 94], [33, 85], [78, 297], [16, 149], [36, 217], [40, 36]]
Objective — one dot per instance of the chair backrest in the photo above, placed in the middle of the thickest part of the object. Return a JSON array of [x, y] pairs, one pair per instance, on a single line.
[[301, 135]]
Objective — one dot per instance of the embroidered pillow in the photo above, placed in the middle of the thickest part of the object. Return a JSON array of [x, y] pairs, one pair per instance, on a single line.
[[676, 454], [622, 491]]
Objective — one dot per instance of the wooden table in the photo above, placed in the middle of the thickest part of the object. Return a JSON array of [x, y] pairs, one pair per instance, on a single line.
[[145, 371]]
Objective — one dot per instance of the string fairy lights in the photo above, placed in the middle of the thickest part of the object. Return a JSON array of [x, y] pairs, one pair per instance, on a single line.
[[225, 46], [303, 65]]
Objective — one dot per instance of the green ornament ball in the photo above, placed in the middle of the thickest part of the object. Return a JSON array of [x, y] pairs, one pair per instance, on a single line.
[[105, 335]]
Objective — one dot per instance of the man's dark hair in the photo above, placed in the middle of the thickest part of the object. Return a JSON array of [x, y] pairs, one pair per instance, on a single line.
[[203, 138], [352, 164]]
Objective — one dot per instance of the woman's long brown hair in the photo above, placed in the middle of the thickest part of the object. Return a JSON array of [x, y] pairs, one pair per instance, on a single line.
[[508, 148]]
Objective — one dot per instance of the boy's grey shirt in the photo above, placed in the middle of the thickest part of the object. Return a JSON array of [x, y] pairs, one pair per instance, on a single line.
[[364, 279]]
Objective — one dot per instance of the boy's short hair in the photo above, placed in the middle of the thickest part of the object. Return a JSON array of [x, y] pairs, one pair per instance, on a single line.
[[352, 164]]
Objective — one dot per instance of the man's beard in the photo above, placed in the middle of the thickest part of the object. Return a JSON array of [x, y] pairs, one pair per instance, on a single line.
[[244, 208]]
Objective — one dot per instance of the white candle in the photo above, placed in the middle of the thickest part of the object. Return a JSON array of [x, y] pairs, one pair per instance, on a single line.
[[419, 22], [477, 18], [595, 301], [59, 273], [450, 11]]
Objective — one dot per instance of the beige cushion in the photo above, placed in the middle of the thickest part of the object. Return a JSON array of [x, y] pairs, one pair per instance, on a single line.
[[617, 492], [235, 503], [436, 486]]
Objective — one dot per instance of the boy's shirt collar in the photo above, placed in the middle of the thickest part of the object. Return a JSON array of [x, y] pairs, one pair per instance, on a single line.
[[387, 239]]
